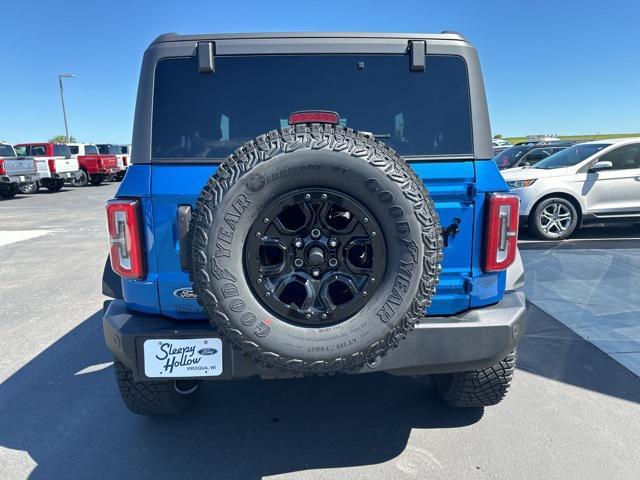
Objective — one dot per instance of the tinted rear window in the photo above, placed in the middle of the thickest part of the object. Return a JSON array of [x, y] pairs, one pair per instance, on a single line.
[[90, 150], [200, 115], [106, 149], [510, 156], [6, 151], [61, 150]]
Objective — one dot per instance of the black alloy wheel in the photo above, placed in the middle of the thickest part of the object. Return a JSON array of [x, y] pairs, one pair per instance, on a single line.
[[314, 256]]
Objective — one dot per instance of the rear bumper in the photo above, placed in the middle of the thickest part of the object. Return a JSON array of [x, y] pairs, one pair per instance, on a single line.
[[26, 178], [65, 175], [46, 178], [475, 339]]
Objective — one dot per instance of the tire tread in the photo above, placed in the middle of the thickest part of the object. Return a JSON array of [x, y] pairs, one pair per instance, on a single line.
[[150, 398], [477, 388]]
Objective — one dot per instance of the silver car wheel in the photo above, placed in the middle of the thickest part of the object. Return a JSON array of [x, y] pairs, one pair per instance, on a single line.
[[555, 219]]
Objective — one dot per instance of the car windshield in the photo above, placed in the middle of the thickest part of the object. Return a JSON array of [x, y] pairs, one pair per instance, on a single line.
[[570, 156], [196, 115], [510, 156], [6, 151]]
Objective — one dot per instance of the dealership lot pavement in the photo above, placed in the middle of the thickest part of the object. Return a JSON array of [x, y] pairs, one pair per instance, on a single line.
[[604, 279], [573, 411]]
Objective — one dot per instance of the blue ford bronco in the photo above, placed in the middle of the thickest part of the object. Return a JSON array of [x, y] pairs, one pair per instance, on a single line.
[[304, 204]]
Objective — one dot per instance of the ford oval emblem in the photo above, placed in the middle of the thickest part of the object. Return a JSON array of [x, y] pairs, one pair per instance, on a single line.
[[207, 351], [186, 293]]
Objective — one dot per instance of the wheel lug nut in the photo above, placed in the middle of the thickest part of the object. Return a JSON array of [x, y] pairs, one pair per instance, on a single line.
[[266, 220], [373, 234], [315, 233], [268, 294], [364, 294], [324, 196], [298, 262], [307, 197], [324, 316], [333, 262], [315, 272], [373, 280], [258, 234], [333, 243], [259, 280], [307, 316], [298, 243], [365, 220]]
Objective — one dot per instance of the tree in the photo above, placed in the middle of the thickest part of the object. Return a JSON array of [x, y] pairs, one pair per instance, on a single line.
[[497, 136], [63, 139]]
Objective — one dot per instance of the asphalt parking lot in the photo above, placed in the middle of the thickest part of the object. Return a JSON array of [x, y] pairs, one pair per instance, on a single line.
[[573, 411]]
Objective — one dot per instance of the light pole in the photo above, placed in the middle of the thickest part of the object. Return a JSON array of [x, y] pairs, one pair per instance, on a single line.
[[64, 110]]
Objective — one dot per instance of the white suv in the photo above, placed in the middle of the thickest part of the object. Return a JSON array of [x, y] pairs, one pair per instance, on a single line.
[[596, 182]]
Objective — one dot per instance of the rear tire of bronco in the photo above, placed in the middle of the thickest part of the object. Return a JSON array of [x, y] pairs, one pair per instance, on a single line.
[[315, 249], [477, 388], [154, 398]]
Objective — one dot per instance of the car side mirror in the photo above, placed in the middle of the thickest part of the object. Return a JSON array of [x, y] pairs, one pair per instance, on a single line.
[[602, 165]]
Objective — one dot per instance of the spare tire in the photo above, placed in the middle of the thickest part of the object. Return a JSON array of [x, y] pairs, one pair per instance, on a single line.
[[315, 248]]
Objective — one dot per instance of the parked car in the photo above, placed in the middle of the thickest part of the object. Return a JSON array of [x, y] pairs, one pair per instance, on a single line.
[[126, 152], [94, 167], [112, 149], [539, 138], [528, 154], [53, 162], [14, 171], [314, 248], [591, 182], [499, 143], [126, 157]]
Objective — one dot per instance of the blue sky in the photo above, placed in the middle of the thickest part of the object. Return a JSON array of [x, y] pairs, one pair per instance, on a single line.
[[550, 67]]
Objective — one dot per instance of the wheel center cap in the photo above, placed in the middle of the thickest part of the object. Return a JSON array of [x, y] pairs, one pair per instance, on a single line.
[[315, 256]]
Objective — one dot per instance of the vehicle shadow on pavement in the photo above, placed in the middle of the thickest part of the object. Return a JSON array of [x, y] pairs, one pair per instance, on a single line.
[[552, 350], [74, 425], [62, 408]]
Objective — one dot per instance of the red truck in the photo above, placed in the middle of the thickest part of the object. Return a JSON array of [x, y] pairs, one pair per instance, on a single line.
[[94, 167]]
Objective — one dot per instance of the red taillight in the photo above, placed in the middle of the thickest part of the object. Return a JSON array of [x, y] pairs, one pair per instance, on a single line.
[[2, 170], [501, 231], [314, 117], [125, 237], [52, 165], [124, 161]]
